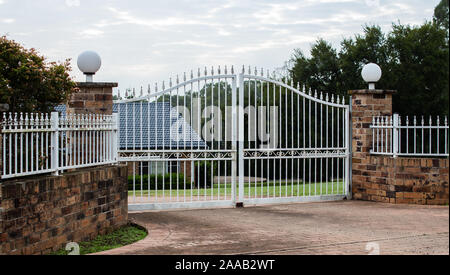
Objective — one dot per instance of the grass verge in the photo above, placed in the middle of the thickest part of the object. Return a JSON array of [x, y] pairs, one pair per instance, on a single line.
[[125, 235]]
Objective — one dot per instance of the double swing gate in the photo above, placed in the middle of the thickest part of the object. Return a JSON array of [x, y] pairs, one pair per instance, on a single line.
[[220, 139]]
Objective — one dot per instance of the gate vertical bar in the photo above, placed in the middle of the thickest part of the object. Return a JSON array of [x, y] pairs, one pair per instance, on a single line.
[[349, 149], [234, 140], [240, 118]]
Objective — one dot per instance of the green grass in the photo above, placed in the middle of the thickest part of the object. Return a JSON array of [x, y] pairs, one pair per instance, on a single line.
[[123, 236], [251, 189]]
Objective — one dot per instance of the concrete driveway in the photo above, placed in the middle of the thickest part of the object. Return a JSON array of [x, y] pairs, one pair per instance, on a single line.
[[345, 227]]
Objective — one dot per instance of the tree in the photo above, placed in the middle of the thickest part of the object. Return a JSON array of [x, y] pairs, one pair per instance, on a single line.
[[414, 61], [28, 83], [321, 71], [441, 15], [419, 69]]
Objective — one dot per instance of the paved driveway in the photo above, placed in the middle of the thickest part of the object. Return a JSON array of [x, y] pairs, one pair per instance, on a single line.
[[344, 227]]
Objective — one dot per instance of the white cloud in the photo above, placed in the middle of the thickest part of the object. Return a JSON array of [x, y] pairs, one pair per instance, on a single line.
[[145, 40], [91, 33], [8, 20], [73, 3]]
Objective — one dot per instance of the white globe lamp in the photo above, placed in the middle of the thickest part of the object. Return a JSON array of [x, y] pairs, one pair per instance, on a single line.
[[371, 73], [89, 62]]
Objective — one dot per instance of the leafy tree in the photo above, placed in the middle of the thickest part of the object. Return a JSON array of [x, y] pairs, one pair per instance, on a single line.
[[28, 83], [414, 61], [321, 71], [419, 69], [441, 15]]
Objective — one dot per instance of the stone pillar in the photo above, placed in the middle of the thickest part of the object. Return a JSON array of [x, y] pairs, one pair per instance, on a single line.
[[365, 105], [92, 98]]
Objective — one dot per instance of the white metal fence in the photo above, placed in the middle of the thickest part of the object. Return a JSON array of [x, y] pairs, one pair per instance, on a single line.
[[42, 143], [405, 136]]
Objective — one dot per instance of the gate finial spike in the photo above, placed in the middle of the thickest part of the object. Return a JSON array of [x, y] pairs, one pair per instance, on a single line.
[[142, 91], [298, 86], [206, 71], [262, 71], [192, 74], [184, 76], [332, 98], [218, 70], [437, 121], [178, 80], [321, 96], [445, 121], [327, 98], [315, 93], [170, 82], [232, 69], [118, 94], [423, 121], [226, 69], [198, 73], [212, 70], [243, 69], [149, 89], [126, 93], [134, 92], [431, 121], [156, 87], [343, 100], [256, 71]]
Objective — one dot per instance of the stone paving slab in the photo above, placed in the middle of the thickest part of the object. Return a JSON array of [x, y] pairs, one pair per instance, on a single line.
[[344, 227]]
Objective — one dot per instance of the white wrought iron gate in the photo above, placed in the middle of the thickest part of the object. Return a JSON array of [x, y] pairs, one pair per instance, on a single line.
[[221, 139]]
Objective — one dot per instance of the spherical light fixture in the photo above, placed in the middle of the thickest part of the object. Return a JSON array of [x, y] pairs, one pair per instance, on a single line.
[[89, 62], [371, 73]]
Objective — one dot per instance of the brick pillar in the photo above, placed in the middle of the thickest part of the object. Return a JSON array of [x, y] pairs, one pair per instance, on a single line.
[[365, 105], [92, 98]]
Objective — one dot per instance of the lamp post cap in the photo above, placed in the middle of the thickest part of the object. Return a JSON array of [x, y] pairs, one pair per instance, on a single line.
[[89, 62]]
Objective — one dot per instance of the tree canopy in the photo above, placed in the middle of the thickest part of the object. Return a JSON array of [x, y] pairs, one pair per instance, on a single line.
[[414, 60], [28, 83]]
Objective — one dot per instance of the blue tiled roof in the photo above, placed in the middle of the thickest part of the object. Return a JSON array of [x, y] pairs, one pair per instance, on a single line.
[[61, 109], [157, 121], [155, 125]]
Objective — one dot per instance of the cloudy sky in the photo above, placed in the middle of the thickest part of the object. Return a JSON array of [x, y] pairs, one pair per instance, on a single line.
[[147, 41]]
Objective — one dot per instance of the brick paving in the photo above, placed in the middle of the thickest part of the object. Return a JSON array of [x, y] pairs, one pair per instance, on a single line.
[[344, 227]]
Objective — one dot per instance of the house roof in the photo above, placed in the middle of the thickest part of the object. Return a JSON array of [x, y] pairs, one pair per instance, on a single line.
[[154, 125], [161, 126]]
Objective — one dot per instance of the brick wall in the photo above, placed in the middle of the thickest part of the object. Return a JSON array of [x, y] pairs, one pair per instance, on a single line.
[[388, 179], [402, 180], [42, 214], [92, 98]]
